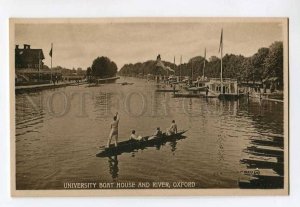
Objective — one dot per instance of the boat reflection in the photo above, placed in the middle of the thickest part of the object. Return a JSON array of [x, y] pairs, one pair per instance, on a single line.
[[173, 146], [113, 166], [113, 162]]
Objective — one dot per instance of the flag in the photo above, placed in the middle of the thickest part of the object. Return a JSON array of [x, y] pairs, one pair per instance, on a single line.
[[50, 53], [204, 56], [221, 41], [170, 69]]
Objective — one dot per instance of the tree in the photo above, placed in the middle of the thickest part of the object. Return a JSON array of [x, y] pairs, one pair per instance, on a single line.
[[257, 61], [274, 62], [88, 71], [265, 63], [103, 67]]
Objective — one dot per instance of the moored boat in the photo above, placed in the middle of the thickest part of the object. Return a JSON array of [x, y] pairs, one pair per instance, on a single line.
[[167, 90]]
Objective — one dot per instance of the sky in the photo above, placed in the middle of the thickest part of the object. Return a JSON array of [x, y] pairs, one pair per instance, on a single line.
[[78, 44]]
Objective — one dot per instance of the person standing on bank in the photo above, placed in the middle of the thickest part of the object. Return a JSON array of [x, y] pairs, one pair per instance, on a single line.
[[206, 91], [114, 130]]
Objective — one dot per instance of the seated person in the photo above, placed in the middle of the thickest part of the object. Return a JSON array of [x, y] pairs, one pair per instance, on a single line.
[[134, 136], [158, 132]]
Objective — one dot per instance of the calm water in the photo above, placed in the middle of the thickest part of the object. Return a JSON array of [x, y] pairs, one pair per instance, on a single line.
[[58, 131]]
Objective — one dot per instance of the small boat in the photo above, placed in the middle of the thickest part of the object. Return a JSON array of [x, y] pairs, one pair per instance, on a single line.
[[229, 96], [94, 85], [132, 144], [193, 95], [166, 90], [126, 83], [196, 88]]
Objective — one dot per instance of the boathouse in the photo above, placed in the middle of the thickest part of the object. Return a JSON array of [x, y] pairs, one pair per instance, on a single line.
[[230, 86], [28, 58]]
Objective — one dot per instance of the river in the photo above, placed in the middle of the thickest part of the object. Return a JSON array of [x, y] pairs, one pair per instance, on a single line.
[[58, 132]]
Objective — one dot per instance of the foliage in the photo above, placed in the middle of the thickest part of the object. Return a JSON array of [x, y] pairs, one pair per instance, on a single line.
[[103, 67], [266, 63]]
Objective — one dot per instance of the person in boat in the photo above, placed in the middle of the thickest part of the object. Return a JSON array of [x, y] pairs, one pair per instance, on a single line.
[[158, 132], [114, 130], [172, 129], [134, 136]]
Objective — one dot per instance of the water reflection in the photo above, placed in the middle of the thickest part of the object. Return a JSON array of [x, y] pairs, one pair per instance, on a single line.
[[173, 146], [113, 162], [113, 167]]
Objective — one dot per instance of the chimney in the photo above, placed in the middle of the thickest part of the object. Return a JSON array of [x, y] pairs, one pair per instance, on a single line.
[[17, 46], [26, 46]]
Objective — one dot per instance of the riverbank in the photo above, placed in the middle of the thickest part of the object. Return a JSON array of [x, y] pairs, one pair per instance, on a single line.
[[34, 88]]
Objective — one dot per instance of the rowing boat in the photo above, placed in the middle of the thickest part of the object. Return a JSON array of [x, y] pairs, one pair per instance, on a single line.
[[132, 144], [166, 90]]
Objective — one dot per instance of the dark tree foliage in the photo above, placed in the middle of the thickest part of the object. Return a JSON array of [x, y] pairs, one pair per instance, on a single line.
[[266, 63], [89, 71], [273, 63], [103, 67]]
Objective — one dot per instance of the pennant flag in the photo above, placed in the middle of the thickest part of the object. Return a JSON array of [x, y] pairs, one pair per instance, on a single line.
[[168, 68], [221, 41], [50, 53]]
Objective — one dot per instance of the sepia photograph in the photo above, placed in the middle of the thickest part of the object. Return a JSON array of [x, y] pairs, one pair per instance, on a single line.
[[149, 106]]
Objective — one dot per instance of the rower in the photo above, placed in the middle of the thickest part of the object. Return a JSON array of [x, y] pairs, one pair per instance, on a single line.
[[114, 130], [172, 129], [134, 136]]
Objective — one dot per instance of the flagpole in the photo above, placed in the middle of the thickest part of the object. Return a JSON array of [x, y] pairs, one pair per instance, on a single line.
[[174, 65], [221, 69], [192, 72], [221, 47], [39, 65], [204, 62], [51, 59], [180, 68]]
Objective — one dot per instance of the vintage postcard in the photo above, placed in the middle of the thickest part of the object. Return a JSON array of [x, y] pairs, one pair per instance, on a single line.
[[149, 106]]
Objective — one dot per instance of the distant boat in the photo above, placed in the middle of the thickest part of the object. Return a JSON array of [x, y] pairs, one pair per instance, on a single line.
[[226, 89], [126, 83], [198, 86], [107, 80], [167, 90]]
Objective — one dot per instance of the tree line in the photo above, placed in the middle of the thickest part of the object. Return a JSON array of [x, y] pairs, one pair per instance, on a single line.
[[102, 67], [264, 64]]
